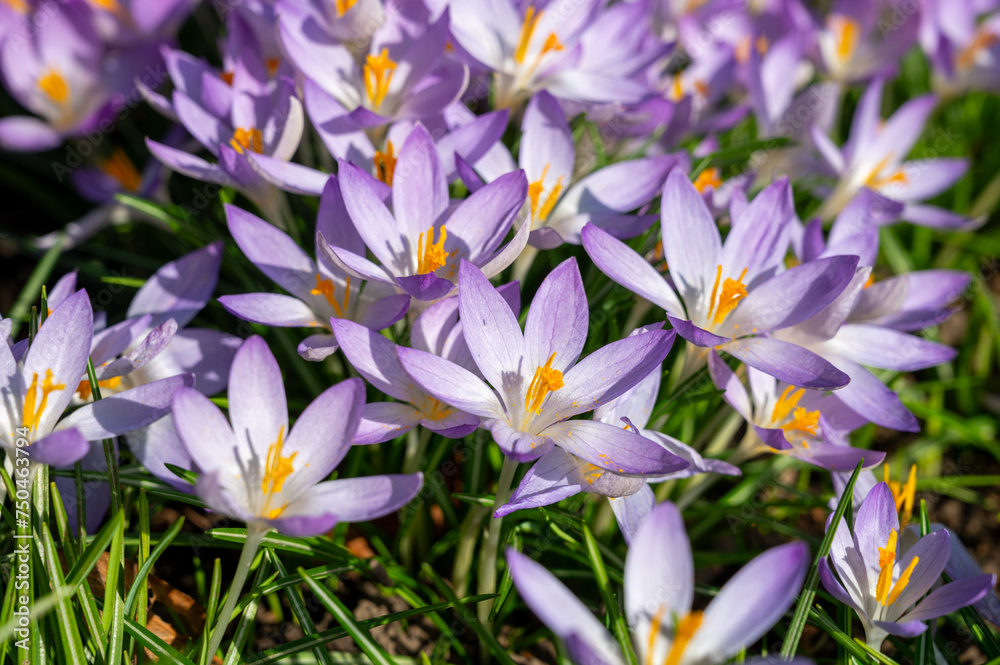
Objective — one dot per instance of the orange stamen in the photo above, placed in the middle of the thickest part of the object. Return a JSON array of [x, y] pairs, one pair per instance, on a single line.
[[546, 380], [385, 163], [378, 73], [431, 255], [249, 139]]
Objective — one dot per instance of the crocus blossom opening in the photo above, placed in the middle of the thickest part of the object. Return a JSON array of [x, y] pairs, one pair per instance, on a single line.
[[385, 163], [846, 31], [709, 178], [531, 19], [733, 291], [249, 139], [344, 6], [541, 208], [885, 591], [31, 414], [84, 390], [431, 255], [55, 86], [326, 288], [378, 74], [546, 379], [121, 168], [685, 630], [903, 494], [276, 470]]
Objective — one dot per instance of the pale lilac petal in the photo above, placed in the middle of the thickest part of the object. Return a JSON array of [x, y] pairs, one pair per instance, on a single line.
[[938, 218], [355, 265], [759, 237], [932, 552], [60, 448], [356, 499], [454, 424], [834, 588], [113, 340], [951, 597], [126, 411], [836, 457], [157, 445], [506, 256], [289, 176], [519, 445], [726, 380], [875, 520], [319, 440], [317, 347], [620, 187], [630, 511], [188, 164], [492, 332], [427, 286], [61, 347], [624, 265], [25, 133], [481, 222], [659, 570], [558, 319], [206, 128], [558, 608], [787, 362], [206, 433], [872, 399], [180, 289], [691, 243], [613, 448], [372, 219], [636, 403], [469, 143], [257, 406], [374, 357], [546, 142], [273, 252], [554, 477], [150, 346], [910, 629], [750, 603], [694, 334], [420, 190], [272, 309], [877, 346], [384, 312], [450, 383], [384, 421]]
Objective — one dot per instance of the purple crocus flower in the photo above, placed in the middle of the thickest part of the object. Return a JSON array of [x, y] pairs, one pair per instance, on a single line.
[[319, 288], [962, 50], [659, 590], [122, 23], [559, 475], [732, 293], [39, 387], [961, 565], [233, 117], [592, 53], [527, 409], [260, 472], [874, 155], [55, 71], [861, 39], [808, 425], [420, 242], [559, 206], [869, 571], [851, 346], [401, 75]]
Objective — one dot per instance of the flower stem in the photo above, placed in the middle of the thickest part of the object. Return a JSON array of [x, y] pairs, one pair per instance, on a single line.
[[255, 535], [488, 557]]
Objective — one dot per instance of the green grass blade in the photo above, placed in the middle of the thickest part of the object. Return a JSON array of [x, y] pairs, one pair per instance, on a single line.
[[139, 588], [22, 306], [618, 623], [794, 633], [164, 652], [299, 609], [72, 646]]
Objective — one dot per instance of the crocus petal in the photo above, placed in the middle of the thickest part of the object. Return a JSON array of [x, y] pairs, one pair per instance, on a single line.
[[491, 330], [257, 406], [933, 551], [374, 357], [355, 265], [181, 288], [620, 187], [691, 242], [624, 265], [910, 629], [60, 448], [558, 319], [792, 296], [481, 222], [427, 286], [659, 571], [834, 588], [420, 191], [557, 607], [25, 133], [372, 219], [450, 383], [877, 346], [60, 347], [759, 235], [836, 457], [750, 603], [469, 143], [787, 362], [550, 480], [613, 448], [150, 346], [547, 142], [317, 347], [203, 126], [272, 309], [188, 164], [206, 433], [357, 499], [517, 444], [289, 176], [453, 425], [273, 252], [875, 520], [384, 421], [872, 399], [694, 334], [126, 411], [630, 511], [951, 597], [157, 445], [726, 380]]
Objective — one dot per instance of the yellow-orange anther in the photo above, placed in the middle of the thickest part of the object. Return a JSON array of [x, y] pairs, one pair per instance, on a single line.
[[378, 73], [531, 18], [708, 178], [326, 288], [846, 32], [733, 291], [84, 387], [885, 592], [55, 86], [276, 470], [343, 6], [542, 208], [683, 633], [227, 77], [121, 168], [19, 6], [869, 281], [385, 163], [788, 400], [803, 421], [654, 632], [272, 66], [435, 409], [982, 40], [903, 495], [431, 254], [676, 91], [546, 379], [31, 415], [248, 139], [108, 5]]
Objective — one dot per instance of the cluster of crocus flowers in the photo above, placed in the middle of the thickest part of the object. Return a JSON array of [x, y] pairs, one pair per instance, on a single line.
[[659, 594], [872, 570]]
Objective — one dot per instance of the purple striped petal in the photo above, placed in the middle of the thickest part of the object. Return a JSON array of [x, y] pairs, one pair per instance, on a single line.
[[272, 309], [519, 445], [872, 399], [450, 383], [613, 448], [694, 334], [557, 320], [181, 288], [554, 477], [691, 242], [356, 499], [384, 421], [374, 357], [787, 362], [60, 448], [491, 330], [257, 406], [126, 411], [630, 511], [951, 597]]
